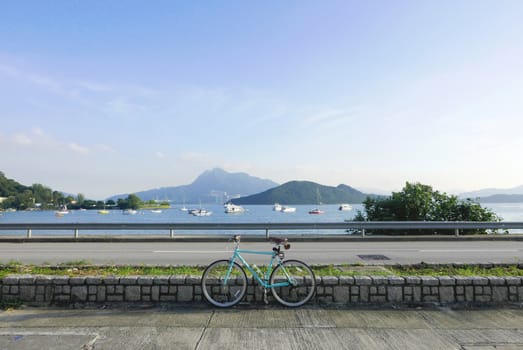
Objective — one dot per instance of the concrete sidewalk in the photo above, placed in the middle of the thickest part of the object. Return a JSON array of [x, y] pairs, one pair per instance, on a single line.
[[260, 328]]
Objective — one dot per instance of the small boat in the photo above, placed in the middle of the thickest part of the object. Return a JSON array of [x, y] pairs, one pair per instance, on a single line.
[[345, 207], [62, 211], [277, 207], [129, 212], [233, 209], [288, 209], [156, 211], [200, 212], [103, 211], [316, 211], [184, 208]]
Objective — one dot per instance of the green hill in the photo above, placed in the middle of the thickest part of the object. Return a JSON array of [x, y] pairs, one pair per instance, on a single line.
[[17, 196], [305, 192], [9, 187]]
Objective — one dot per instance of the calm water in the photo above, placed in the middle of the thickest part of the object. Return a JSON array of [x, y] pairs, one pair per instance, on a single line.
[[253, 214]]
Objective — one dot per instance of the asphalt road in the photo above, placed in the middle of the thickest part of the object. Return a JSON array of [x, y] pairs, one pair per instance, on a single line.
[[190, 253]]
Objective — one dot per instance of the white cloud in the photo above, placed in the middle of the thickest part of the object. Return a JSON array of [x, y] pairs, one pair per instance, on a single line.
[[159, 155], [102, 148], [327, 117], [22, 139], [76, 148]]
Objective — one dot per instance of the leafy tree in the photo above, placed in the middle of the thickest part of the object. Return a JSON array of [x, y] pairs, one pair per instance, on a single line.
[[25, 200], [80, 198], [418, 202], [131, 202], [134, 201]]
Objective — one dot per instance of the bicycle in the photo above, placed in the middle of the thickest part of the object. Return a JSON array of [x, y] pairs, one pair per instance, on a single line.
[[292, 282]]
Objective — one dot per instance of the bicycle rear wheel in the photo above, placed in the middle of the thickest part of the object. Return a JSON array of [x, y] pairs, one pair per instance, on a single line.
[[223, 287], [301, 283]]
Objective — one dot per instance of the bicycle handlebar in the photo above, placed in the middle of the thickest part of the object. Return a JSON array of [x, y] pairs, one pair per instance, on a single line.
[[275, 240]]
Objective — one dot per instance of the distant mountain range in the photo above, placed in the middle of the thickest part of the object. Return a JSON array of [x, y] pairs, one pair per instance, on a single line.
[[219, 186], [305, 192], [213, 186], [496, 195]]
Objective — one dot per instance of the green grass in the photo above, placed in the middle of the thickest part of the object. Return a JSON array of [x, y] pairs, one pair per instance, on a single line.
[[72, 270], [466, 270], [84, 268]]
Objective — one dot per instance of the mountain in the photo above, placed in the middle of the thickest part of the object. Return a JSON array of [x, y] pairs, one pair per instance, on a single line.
[[491, 194], [212, 186], [502, 198], [305, 192]]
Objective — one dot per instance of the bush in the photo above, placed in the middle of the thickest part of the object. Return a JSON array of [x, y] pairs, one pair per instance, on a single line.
[[418, 202]]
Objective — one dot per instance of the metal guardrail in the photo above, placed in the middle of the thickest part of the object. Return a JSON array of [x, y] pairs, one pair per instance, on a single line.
[[452, 226]]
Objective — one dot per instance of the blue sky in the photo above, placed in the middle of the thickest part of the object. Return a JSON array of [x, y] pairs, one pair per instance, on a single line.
[[106, 97]]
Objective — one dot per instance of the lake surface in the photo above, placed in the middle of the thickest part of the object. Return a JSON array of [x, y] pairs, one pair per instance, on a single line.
[[253, 214]]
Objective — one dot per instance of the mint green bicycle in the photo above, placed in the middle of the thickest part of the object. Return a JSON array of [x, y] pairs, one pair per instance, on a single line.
[[292, 282]]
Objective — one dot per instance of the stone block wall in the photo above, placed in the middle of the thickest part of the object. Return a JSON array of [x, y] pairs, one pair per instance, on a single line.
[[359, 290]]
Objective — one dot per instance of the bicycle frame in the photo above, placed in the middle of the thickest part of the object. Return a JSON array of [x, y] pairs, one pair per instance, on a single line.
[[264, 279]]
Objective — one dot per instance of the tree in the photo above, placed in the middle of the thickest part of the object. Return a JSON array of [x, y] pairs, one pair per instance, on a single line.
[[131, 202], [134, 201], [418, 202]]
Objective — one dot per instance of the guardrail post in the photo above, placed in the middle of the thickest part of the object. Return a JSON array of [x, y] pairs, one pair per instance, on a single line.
[[75, 233], [456, 232], [171, 233], [363, 233], [267, 233], [29, 233]]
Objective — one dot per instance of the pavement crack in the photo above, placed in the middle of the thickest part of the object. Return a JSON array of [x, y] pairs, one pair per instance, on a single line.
[[204, 330]]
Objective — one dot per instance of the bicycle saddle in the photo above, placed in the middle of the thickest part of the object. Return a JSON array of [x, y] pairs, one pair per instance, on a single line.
[[284, 241]]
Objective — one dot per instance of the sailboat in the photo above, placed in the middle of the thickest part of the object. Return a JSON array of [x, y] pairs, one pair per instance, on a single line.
[[317, 210], [62, 211]]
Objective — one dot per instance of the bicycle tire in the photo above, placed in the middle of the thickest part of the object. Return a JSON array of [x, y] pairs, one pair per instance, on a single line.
[[302, 288], [223, 294]]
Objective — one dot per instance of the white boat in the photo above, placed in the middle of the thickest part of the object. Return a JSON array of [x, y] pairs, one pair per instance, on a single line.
[[345, 207], [200, 212], [317, 210], [288, 209], [62, 211], [277, 207], [233, 209], [156, 211], [129, 212], [184, 208]]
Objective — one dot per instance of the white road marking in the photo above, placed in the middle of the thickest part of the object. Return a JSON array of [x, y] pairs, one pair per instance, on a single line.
[[189, 251]]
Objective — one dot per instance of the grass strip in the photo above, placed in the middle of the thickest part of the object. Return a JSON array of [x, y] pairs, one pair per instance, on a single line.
[[84, 268]]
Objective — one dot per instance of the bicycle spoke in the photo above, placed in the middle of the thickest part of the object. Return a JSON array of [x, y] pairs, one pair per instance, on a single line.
[[301, 283], [223, 284]]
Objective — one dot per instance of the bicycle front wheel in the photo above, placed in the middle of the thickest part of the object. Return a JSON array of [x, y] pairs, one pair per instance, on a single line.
[[223, 284], [294, 282]]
